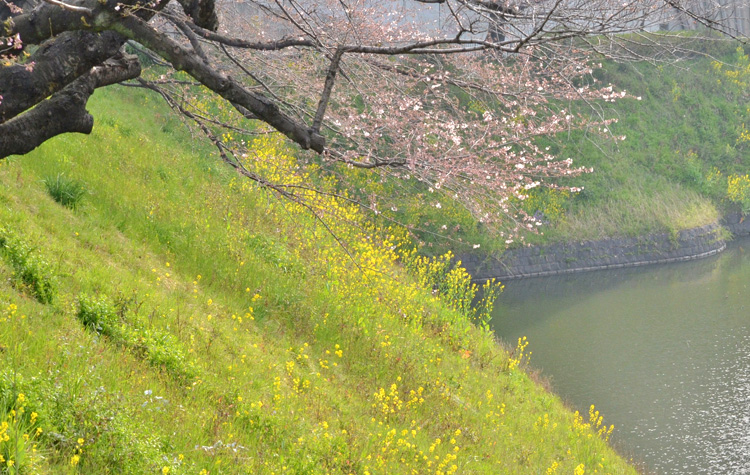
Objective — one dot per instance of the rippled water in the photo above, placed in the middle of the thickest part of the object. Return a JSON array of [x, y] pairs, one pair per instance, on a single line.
[[663, 352]]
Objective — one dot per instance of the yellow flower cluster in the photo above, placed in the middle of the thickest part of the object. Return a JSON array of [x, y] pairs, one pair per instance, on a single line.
[[594, 425], [519, 354], [388, 402], [738, 190], [19, 432], [77, 452]]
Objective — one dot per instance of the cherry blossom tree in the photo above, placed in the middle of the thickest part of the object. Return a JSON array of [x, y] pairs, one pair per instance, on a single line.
[[452, 93]]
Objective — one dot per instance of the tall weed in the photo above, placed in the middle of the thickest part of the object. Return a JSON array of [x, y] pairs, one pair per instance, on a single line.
[[66, 191]]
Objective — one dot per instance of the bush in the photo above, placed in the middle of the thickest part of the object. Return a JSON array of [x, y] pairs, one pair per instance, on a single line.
[[32, 273], [160, 349], [98, 315]]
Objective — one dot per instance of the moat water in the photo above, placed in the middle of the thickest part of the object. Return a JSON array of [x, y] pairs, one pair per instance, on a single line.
[[662, 351]]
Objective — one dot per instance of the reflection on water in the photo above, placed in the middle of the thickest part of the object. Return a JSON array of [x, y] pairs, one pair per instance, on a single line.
[[662, 351]]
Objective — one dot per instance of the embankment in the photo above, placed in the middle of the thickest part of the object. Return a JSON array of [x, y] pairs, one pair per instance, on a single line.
[[613, 253]]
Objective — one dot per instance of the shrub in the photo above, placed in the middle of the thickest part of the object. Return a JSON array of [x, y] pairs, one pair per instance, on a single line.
[[97, 314], [160, 349], [32, 273]]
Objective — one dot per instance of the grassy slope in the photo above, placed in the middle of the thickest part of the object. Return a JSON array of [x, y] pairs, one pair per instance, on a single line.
[[238, 336], [688, 123]]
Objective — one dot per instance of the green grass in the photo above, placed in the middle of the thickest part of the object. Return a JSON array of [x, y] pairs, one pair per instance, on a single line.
[[201, 325], [637, 214]]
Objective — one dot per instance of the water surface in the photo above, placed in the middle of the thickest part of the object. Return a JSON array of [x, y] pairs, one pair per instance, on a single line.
[[662, 351]]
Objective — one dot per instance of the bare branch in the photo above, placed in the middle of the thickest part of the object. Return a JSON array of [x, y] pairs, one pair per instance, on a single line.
[[327, 88], [182, 60], [276, 45], [69, 7]]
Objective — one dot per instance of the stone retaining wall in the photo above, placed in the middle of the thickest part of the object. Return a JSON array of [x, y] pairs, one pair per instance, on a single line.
[[737, 224], [594, 255]]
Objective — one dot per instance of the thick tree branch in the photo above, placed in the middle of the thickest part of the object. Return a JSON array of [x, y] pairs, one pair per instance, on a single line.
[[132, 27], [65, 111], [183, 59], [191, 36], [57, 63], [45, 21], [327, 88], [203, 13], [148, 53], [374, 162]]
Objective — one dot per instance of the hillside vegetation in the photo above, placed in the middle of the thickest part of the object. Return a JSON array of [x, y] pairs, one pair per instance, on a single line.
[[160, 315], [685, 141], [684, 161]]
